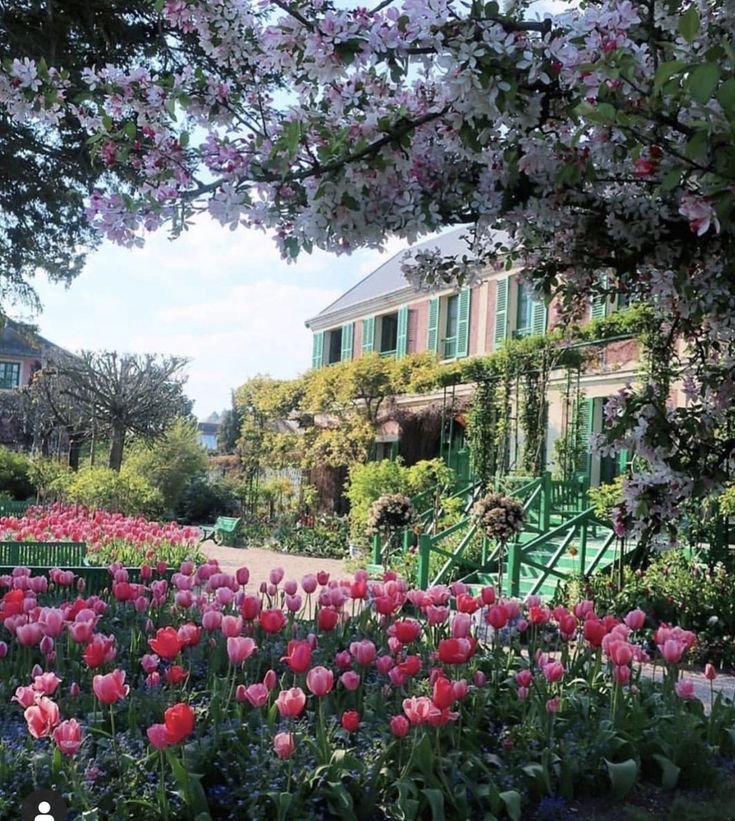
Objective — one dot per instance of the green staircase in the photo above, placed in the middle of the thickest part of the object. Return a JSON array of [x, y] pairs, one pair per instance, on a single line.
[[562, 537]]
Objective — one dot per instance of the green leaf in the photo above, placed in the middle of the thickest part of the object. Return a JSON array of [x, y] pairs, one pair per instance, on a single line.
[[726, 94], [436, 802], [689, 24], [130, 130], [666, 71], [623, 776], [190, 787], [672, 179], [703, 81], [512, 801], [669, 771]]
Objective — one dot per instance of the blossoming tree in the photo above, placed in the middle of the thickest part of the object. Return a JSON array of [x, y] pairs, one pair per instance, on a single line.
[[599, 140]]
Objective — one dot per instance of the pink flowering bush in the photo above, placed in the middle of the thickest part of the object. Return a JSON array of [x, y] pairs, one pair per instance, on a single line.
[[209, 696], [131, 540]]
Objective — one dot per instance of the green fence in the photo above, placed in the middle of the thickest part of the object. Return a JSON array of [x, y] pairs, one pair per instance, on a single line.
[[12, 508]]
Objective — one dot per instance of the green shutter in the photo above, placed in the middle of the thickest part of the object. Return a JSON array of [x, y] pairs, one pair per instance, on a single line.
[[368, 334], [538, 318], [402, 333], [317, 350], [623, 462], [598, 306], [347, 334], [584, 431], [463, 323], [501, 312], [432, 341]]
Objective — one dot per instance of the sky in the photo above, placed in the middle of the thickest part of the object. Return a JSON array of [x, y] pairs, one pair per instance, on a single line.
[[223, 299]]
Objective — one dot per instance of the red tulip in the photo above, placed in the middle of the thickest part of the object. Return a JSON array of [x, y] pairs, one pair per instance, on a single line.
[[351, 721], [443, 695], [456, 651], [272, 620], [594, 631], [175, 674], [298, 656], [709, 672], [327, 619], [406, 630], [497, 616], [100, 650], [399, 726], [467, 603], [68, 736], [250, 607], [179, 722], [487, 594], [553, 671], [167, 643], [410, 666]]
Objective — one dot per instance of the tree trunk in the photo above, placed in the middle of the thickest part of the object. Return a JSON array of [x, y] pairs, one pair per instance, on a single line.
[[116, 448], [75, 451]]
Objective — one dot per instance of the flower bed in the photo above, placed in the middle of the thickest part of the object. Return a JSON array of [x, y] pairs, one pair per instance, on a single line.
[[109, 536], [325, 699]]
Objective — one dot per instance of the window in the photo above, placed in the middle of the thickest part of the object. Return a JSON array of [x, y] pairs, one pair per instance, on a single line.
[[334, 349], [524, 311], [9, 375], [450, 336], [388, 334]]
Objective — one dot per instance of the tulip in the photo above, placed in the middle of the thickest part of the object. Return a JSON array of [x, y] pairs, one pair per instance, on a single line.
[[635, 619], [620, 652], [461, 690], [396, 676], [417, 709], [350, 721], [51, 621], [42, 717], [257, 695], [270, 680], [443, 693], [29, 634], [685, 689], [211, 620], [68, 737], [100, 650], [553, 705], [406, 630], [291, 702], [242, 574], [467, 603], [175, 674], [276, 575], [150, 662], [309, 583], [322, 577], [343, 660], [363, 651], [594, 631], [436, 615], [46, 683], [350, 680], [524, 678], [554, 671], [179, 722], [293, 603], [479, 679], [167, 643], [158, 736], [3, 650], [239, 649], [672, 651], [189, 634], [231, 626], [25, 696], [111, 687], [272, 620], [327, 619], [709, 672], [621, 674], [383, 664], [399, 726], [320, 681], [523, 693], [456, 651], [487, 595], [74, 689], [461, 627], [298, 656], [46, 646], [284, 744], [497, 616]]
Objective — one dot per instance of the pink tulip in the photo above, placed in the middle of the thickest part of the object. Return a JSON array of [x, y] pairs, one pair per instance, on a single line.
[[383, 664], [399, 726], [211, 620], [257, 695], [29, 634], [25, 696], [51, 621], [479, 679], [553, 705], [46, 683], [523, 693], [74, 689], [270, 680], [293, 604], [309, 583], [709, 672], [320, 681], [158, 736], [350, 680], [276, 575], [242, 574], [291, 702], [554, 671], [436, 615], [672, 651], [42, 717], [524, 678], [3, 650], [417, 709], [68, 737], [239, 649], [685, 689], [231, 626], [621, 674], [620, 652], [461, 626], [363, 652], [111, 687], [635, 619], [284, 744]]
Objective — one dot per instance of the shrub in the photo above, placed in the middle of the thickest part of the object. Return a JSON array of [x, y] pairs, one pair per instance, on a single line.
[[498, 516], [204, 500], [328, 538], [15, 481], [99, 487]]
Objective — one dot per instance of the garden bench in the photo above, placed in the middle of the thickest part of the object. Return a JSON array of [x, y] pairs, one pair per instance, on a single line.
[[10, 507], [43, 554], [223, 532]]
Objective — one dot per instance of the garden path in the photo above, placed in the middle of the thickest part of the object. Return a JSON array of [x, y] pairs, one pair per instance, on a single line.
[[260, 562]]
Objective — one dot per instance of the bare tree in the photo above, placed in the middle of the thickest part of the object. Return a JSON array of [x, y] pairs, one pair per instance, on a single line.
[[114, 395]]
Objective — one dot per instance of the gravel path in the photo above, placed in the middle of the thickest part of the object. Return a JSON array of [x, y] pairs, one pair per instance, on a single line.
[[260, 562]]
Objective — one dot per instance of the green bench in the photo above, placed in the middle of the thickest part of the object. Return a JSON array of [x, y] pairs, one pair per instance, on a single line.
[[9, 507], [43, 554], [223, 532]]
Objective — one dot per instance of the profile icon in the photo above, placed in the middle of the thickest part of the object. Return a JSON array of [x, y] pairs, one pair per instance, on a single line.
[[44, 805]]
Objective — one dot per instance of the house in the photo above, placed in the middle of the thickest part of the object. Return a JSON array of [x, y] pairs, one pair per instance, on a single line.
[[383, 313], [208, 431], [22, 352]]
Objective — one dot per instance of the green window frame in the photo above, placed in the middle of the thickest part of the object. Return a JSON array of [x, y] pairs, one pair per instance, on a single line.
[[501, 313], [9, 375], [524, 311], [368, 334], [348, 335], [389, 334], [334, 347], [432, 337]]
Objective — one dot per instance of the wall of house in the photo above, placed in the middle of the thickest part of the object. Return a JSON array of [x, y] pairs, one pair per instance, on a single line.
[[28, 365]]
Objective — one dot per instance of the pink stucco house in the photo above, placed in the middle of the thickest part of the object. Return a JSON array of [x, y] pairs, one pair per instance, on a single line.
[[22, 352]]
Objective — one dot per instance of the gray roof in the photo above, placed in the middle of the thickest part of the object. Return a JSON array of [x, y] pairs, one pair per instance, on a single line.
[[19, 340], [389, 278]]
